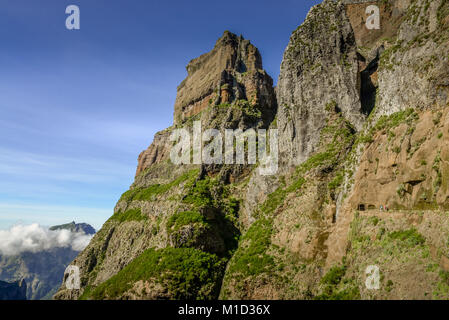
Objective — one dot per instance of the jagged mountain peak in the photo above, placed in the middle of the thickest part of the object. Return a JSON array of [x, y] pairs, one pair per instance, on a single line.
[[231, 71], [75, 227]]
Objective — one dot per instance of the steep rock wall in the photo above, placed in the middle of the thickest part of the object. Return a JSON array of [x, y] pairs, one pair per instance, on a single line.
[[320, 66], [231, 71]]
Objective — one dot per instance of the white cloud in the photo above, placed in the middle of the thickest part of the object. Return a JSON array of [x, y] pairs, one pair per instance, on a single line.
[[35, 238]]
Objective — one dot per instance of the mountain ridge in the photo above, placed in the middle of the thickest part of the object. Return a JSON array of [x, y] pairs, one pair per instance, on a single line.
[[363, 126]]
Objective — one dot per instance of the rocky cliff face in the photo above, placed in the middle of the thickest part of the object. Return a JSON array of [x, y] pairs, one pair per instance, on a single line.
[[414, 69], [320, 67], [230, 74], [363, 122], [231, 71]]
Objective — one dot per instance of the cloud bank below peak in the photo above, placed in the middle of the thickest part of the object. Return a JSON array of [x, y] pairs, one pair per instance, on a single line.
[[35, 238]]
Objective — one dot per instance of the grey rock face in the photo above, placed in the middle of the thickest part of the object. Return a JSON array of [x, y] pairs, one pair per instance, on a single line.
[[414, 70], [319, 68]]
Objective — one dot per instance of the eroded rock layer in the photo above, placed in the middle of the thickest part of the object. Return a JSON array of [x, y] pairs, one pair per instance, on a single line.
[[230, 74], [231, 71]]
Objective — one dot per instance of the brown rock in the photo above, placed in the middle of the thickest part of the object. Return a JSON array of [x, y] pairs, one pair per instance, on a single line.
[[158, 151], [231, 71]]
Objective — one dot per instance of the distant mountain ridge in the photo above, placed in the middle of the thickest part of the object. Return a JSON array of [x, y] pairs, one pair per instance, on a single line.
[[42, 271], [75, 227]]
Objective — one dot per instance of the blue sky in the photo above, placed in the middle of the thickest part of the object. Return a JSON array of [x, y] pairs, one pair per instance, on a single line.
[[78, 106]]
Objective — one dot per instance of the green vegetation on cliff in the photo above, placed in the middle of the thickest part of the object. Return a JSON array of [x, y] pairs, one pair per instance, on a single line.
[[178, 220], [336, 287], [186, 273], [148, 194], [254, 260], [129, 215], [257, 258], [411, 237]]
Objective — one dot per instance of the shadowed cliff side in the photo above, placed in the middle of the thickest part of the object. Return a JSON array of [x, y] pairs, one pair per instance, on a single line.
[[13, 291]]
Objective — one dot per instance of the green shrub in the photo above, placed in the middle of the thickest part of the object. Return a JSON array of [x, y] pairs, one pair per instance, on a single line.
[[389, 286], [400, 190], [330, 106], [367, 138], [252, 258], [381, 233], [397, 149], [444, 275], [337, 181], [334, 275], [410, 237], [374, 220], [443, 11], [390, 122], [187, 274], [199, 193], [148, 194], [273, 201], [129, 215], [231, 209], [248, 109], [333, 280], [437, 118], [178, 220], [352, 293]]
